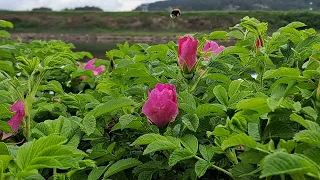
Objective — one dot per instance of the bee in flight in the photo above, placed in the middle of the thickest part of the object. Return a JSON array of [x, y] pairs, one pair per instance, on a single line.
[[175, 13]]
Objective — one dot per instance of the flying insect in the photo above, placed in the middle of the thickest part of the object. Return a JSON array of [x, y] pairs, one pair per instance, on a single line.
[[175, 13]]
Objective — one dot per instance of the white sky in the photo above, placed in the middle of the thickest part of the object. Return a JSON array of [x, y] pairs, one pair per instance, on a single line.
[[106, 5]]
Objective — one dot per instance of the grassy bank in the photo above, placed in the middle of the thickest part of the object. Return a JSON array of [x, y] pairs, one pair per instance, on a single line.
[[148, 23]]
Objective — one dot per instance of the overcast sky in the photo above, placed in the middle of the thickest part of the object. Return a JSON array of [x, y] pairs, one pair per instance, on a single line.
[[106, 5]]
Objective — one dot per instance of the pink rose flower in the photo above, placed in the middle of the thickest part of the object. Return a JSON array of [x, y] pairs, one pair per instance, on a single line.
[[162, 105], [213, 47], [187, 50], [17, 119], [90, 66]]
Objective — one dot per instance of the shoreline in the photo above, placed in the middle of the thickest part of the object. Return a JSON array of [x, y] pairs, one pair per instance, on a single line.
[[99, 38]]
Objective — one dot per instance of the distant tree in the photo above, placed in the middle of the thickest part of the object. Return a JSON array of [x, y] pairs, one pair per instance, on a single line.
[[41, 9], [86, 8]]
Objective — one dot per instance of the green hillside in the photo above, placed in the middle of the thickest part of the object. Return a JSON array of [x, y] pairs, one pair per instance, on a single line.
[[204, 5]]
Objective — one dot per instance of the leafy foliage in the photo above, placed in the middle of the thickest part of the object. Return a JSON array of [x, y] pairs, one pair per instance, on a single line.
[[247, 113]]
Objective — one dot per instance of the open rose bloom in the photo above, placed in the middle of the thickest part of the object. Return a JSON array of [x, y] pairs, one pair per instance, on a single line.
[[187, 50], [213, 47], [162, 105], [90, 66], [17, 119]]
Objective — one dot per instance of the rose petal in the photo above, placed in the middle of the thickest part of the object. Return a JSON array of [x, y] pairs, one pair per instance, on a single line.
[[160, 113], [100, 69], [90, 64]]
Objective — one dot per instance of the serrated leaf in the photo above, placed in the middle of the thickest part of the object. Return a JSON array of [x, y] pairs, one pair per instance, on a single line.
[[110, 106], [234, 87], [188, 99], [148, 139], [201, 167], [206, 151], [89, 124], [67, 127], [146, 175], [121, 165], [3, 149], [179, 155], [160, 145], [190, 142], [283, 163], [281, 72], [210, 110], [96, 173], [308, 136], [221, 94], [310, 125], [126, 119], [237, 140], [242, 169], [52, 85], [191, 121], [311, 112]]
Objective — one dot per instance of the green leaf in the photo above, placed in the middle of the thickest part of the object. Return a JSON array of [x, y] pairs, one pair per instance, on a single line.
[[237, 140], [110, 106], [188, 99], [4, 126], [310, 125], [89, 124], [308, 136], [311, 112], [287, 145], [47, 152], [67, 127], [121, 165], [4, 149], [218, 35], [241, 169], [281, 72], [4, 34], [219, 77], [283, 163], [273, 104], [52, 85], [191, 121], [210, 110], [201, 167], [252, 156], [6, 66], [168, 144], [5, 24], [296, 24], [179, 155], [254, 130], [257, 104], [148, 139], [146, 175], [190, 142], [221, 94], [126, 119], [234, 87], [206, 151], [96, 173]]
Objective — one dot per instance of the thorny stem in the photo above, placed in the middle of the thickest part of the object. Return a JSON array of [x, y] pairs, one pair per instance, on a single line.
[[216, 167]]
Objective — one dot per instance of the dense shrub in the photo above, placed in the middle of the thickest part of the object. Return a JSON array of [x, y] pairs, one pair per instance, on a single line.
[[246, 111]]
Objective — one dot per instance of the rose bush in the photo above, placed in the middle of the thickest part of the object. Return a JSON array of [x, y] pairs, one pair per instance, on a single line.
[[185, 110]]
